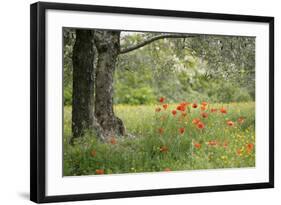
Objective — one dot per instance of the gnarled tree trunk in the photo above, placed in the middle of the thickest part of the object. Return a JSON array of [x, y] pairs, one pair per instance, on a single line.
[[107, 43], [108, 46], [83, 83]]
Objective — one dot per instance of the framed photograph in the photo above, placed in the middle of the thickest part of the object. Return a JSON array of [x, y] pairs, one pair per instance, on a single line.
[[129, 102]]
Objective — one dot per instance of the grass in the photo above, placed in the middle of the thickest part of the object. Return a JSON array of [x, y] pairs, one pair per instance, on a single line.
[[167, 142]]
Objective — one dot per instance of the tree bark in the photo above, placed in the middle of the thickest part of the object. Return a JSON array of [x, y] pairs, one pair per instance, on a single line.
[[108, 47], [83, 83], [93, 83]]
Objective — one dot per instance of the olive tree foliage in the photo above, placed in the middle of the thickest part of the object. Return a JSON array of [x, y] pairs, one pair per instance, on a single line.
[[155, 68], [229, 58], [180, 67], [194, 67]]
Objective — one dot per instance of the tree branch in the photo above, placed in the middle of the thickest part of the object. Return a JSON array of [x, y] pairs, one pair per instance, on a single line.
[[154, 38]]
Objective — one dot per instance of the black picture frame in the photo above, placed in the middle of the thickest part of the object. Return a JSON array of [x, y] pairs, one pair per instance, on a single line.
[[38, 97]]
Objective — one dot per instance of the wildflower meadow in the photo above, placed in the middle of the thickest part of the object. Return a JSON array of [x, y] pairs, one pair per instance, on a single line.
[[168, 137]]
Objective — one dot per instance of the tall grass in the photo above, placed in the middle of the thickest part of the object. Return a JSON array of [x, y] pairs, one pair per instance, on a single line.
[[165, 142]]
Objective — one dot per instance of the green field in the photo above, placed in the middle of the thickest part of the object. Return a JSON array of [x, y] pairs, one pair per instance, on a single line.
[[166, 141]]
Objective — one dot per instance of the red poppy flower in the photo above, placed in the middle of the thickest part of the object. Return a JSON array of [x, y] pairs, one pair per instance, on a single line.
[[158, 109], [194, 105], [167, 169], [223, 110], [161, 130], [165, 106], [174, 112], [113, 140], [164, 149], [241, 120], [230, 123], [250, 147], [225, 144], [204, 104], [239, 152], [200, 125], [99, 171], [197, 145], [161, 100], [184, 104], [204, 115], [203, 108], [214, 110], [212, 142], [195, 121], [181, 130], [181, 108], [93, 153]]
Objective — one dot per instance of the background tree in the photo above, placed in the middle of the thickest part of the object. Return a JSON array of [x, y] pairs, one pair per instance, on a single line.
[[205, 67]]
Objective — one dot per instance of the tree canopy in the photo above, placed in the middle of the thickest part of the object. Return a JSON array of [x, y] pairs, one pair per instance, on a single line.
[[178, 66]]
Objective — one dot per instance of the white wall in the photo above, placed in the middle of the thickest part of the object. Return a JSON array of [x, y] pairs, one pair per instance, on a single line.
[[14, 100]]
